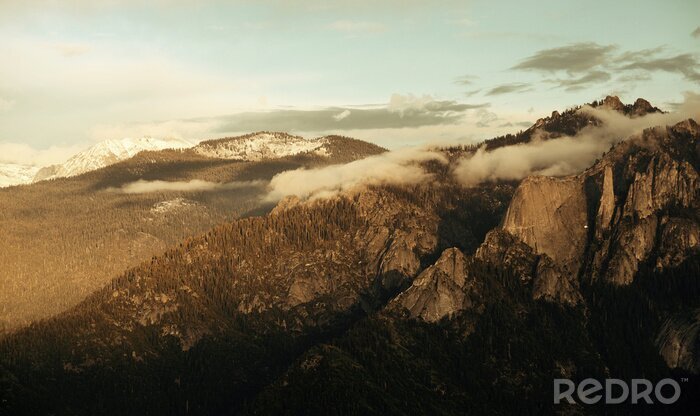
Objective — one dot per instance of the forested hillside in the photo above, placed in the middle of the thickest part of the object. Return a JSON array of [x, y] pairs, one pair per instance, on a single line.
[[65, 238], [395, 299], [247, 297]]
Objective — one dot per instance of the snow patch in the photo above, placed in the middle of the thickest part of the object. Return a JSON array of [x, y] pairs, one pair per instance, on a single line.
[[173, 205], [259, 147]]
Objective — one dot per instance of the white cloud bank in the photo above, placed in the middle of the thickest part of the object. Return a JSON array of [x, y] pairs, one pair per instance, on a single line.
[[399, 167], [565, 155], [195, 185]]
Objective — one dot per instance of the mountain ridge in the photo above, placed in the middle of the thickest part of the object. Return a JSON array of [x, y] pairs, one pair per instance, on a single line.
[[434, 297]]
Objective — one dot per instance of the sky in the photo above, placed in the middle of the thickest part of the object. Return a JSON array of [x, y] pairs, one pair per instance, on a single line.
[[394, 72]]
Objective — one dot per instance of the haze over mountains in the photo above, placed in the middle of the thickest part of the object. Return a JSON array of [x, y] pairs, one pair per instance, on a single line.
[[428, 280]]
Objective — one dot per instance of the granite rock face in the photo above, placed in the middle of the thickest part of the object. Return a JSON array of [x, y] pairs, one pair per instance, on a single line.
[[639, 201], [549, 215], [665, 182], [552, 285], [606, 207], [505, 250], [440, 290], [680, 238], [633, 245]]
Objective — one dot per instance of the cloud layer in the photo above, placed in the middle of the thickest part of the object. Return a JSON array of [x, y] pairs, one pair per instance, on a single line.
[[565, 155], [195, 185], [399, 167]]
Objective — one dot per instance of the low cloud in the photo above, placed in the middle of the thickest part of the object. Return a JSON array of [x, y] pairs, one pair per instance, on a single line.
[[195, 185], [399, 167], [509, 88], [696, 32], [565, 155]]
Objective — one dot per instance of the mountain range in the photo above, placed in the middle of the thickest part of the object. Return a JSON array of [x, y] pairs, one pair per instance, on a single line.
[[390, 298], [251, 147]]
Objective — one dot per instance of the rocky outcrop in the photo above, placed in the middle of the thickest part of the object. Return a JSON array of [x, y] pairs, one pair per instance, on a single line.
[[606, 207], [545, 277], [394, 249], [659, 188], [680, 239], [632, 246], [641, 199], [613, 102], [679, 341], [665, 182], [552, 285], [688, 127], [549, 215], [642, 107], [507, 251], [440, 290]]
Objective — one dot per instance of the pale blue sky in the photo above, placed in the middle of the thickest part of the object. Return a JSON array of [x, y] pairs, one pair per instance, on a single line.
[[76, 71]]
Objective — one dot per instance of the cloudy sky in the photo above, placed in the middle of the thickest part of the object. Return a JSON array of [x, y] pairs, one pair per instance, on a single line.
[[395, 72]]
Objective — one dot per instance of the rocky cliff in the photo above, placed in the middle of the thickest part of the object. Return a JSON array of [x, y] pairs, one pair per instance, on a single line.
[[638, 204], [441, 290]]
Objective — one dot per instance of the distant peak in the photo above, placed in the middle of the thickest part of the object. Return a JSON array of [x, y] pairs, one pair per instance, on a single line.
[[640, 107], [642, 103], [613, 102]]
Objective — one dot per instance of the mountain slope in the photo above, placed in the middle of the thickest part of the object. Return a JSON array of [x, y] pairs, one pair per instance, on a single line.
[[488, 332], [63, 239], [432, 298], [295, 276]]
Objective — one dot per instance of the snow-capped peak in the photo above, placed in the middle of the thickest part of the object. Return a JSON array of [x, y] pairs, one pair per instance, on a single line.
[[108, 152], [258, 146]]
